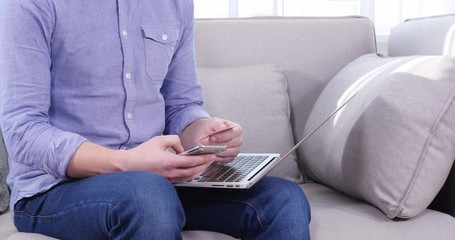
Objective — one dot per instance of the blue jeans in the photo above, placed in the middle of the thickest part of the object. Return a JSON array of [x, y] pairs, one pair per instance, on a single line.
[[142, 205]]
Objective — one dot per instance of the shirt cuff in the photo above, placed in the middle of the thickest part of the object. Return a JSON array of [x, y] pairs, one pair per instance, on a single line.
[[62, 149]]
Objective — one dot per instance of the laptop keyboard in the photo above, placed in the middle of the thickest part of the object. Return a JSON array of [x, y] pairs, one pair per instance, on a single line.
[[234, 171]]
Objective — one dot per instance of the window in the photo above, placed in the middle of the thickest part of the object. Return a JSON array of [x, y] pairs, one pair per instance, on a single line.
[[384, 13]]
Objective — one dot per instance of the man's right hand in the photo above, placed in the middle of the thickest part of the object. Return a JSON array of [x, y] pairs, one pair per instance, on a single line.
[[154, 156]]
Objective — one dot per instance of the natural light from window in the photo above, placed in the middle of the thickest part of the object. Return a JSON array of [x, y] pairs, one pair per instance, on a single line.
[[384, 13], [362, 81], [449, 47]]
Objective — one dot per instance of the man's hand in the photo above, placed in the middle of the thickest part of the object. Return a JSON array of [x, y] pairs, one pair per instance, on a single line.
[[210, 131], [154, 156]]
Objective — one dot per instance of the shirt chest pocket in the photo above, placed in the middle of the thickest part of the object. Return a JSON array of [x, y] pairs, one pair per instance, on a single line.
[[160, 44]]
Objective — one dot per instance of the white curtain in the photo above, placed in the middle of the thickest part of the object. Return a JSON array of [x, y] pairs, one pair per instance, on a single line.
[[384, 13]]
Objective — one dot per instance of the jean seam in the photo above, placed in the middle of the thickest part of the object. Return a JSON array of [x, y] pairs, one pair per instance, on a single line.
[[23, 212]]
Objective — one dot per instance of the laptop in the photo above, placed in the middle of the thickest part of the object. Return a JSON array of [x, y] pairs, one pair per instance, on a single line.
[[247, 168]]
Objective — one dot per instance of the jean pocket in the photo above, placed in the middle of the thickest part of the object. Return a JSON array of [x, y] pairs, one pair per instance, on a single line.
[[160, 43]]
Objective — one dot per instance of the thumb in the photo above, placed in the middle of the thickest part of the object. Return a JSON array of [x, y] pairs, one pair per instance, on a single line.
[[172, 141]]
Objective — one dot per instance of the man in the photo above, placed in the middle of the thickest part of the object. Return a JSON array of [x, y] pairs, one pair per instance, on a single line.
[[93, 96]]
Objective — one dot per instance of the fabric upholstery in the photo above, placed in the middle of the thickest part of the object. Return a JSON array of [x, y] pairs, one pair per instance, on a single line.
[[311, 50], [428, 36], [336, 216], [4, 191], [256, 98], [393, 144], [433, 35]]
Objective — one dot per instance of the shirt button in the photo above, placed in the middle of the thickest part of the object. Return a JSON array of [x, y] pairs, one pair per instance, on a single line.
[[129, 115], [128, 75], [124, 33], [164, 36]]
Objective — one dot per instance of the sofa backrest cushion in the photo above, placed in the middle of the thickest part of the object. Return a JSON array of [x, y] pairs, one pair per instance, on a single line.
[[425, 36], [392, 145], [256, 98], [310, 50]]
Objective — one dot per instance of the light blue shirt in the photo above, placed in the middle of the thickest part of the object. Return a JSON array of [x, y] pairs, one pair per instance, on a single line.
[[113, 72]]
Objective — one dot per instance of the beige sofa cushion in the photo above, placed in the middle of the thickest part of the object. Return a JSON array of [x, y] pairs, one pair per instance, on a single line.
[[433, 35], [335, 216], [256, 98], [311, 50], [4, 191], [393, 144]]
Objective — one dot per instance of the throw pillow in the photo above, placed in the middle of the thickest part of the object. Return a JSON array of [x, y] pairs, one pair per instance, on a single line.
[[393, 145], [256, 98]]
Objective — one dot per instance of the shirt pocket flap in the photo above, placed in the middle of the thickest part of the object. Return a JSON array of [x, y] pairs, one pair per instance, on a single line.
[[161, 34]]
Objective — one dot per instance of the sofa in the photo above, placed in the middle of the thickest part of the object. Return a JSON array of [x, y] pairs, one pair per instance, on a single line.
[[381, 167]]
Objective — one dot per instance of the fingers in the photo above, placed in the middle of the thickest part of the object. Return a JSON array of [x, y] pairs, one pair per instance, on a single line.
[[191, 173], [231, 137], [186, 168], [228, 155], [225, 133], [217, 124], [185, 162], [221, 159], [172, 141], [214, 126]]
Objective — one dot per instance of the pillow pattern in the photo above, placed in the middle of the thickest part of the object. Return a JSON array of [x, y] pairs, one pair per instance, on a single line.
[[393, 145], [256, 98]]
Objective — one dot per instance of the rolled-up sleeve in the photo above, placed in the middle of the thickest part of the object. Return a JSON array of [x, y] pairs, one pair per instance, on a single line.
[[25, 89], [181, 88]]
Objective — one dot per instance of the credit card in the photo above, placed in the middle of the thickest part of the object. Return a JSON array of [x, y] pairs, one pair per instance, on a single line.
[[216, 132]]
